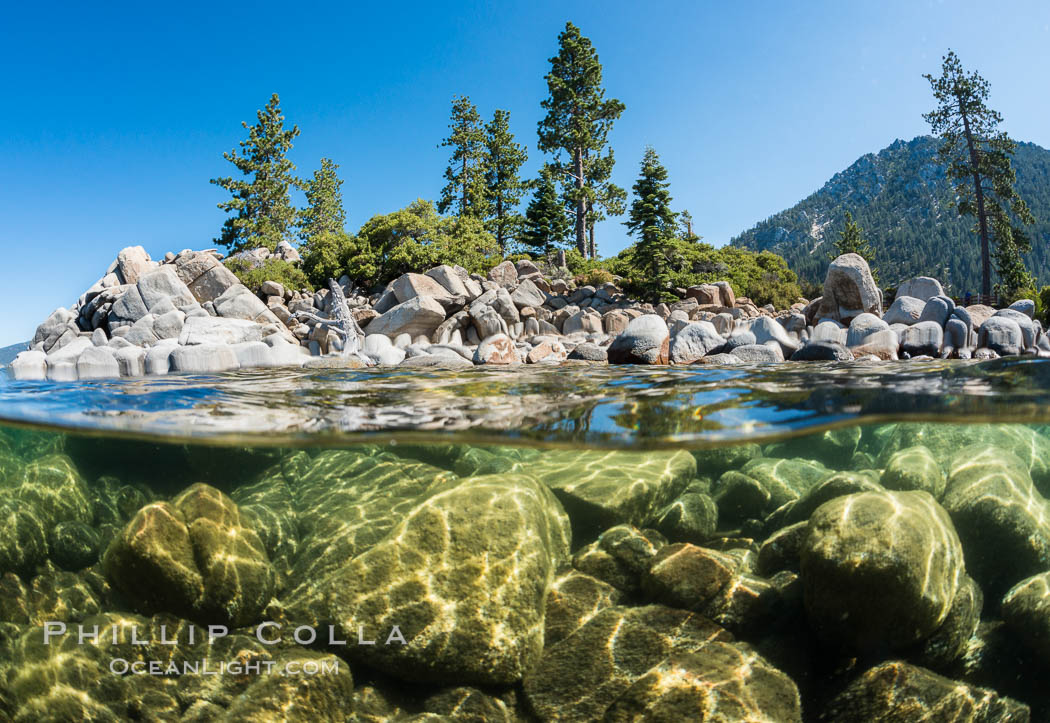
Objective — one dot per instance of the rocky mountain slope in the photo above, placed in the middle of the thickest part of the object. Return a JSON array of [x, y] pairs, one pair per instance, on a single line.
[[902, 199]]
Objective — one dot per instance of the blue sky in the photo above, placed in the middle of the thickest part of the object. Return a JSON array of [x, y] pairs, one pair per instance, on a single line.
[[114, 119]]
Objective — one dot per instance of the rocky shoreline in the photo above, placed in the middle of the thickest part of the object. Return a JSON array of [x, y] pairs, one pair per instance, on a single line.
[[189, 313]]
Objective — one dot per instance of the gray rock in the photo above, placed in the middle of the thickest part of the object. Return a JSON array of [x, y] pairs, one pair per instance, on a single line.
[[131, 360], [505, 274], [924, 337], [158, 358], [128, 309], [97, 363], [1002, 335], [956, 334], [589, 351], [163, 285], [1024, 306], [169, 325], [587, 321], [923, 288], [132, 262], [822, 351], [409, 286], [440, 361], [99, 338], [30, 365], [695, 341], [849, 289], [645, 341], [829, 330], [767, 330], [213, 330], [237, 302], [1029, 328], [203, 359], [904, 310], [286, 252], [937, 310], [451, 281], [420, 315], [862, 327], [528, 294], [759, 353]]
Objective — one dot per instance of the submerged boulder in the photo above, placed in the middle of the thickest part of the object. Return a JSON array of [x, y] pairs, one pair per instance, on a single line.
[[463, 580], [880, 570]]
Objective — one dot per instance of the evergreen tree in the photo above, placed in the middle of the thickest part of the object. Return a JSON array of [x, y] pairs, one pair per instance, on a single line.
[[264, 212], [977, 155], [685, 227], [653, 223], [503, 186], [608, 199], [546, 225], [851, 241], [465, 190], [324, 212], [578, 122]]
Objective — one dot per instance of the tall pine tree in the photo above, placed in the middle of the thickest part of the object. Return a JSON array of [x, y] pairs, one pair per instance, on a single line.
[[653, 224], [851, 241], [685, 227], [577, 123], [503, 186], [324, 212], [465, 190], [977, 155], [546, 225], [264, 215], [607, 199]]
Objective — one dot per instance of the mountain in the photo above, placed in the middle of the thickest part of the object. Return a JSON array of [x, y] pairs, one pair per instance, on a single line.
[[905, 205]]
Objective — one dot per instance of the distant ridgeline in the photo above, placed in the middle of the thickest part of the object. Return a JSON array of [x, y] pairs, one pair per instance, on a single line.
[[903, 202]]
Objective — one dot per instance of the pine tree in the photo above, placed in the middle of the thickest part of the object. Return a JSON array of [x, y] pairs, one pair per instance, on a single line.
[[851, 241], [608, 199], [324, 212], [685, 227], [264, 212], [546, 225], [503, 186], [977, 155], [653, 223], [578, 122], [465, 190]]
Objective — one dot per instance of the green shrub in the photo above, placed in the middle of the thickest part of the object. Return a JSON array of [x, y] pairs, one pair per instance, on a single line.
[[272, 269], [594, 277], [330, 255]]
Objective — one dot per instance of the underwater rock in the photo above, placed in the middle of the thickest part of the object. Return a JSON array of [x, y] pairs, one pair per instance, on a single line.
[[764, 484], [195, 557], [880, 569], [945, 440], [693, 517], [722, 682], [716, 460], [600, 489], [23, 538], [1026, 612], [346, 502], [951, 639], [716, 584], [782, 549], [898, 692], [573, 599], [833, 447], [1003, 522], [53, 488], [914, 468], [463, 577], [74, 545], [620, 556], [579, 677], [838, 484], [275, 696]]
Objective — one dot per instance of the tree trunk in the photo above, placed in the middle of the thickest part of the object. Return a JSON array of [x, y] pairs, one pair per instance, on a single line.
[[982, 217], [581, 204], [463, 200], [592, 249], [499, 226]]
